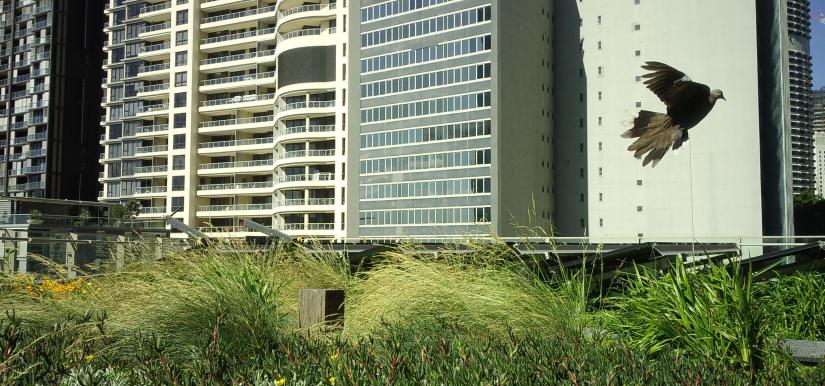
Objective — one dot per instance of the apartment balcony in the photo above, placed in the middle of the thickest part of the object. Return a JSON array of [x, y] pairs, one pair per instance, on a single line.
[[154, 72], [150, 171], [149, 211], [312, 180], [233, 210], [228, 126], [262, 102], [305, 14], [151, 131], [305, 205], [155, 30], [304, 132], [240, 145], [239, 40], [304, 108], [246, 188], [153, 110], [239, 19], [237, 62], [151, 151], [156, 12], [153, 90], [241, 81], [226, 168], [308, 229], [219, 5], [305, 37], [149, 191], [153, 51]]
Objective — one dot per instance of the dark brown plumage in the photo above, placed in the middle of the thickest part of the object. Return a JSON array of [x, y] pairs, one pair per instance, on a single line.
[[687, 104]]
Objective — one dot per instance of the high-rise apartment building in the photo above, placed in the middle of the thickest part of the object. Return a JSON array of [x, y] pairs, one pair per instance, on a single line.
[[819, 161], [451, 106], [711, 187], [49, 97], [800, 81], [223, 110]]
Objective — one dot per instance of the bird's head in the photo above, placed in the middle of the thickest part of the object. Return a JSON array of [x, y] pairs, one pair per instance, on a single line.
[[717, 94]]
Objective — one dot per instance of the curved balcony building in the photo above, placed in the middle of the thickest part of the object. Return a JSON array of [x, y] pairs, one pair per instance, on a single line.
[[219, 105]]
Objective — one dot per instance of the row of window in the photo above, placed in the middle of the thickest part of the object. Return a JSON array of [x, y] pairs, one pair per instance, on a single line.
[[426, 80], [427, 54], [439, 216], [462, 158], [427, 26], [426, 189], [426, 134], [396, 7], [426, 107]]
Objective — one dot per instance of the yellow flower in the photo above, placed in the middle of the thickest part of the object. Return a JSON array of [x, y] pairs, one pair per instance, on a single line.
[[280, 381], [331, 380], [333, 356], [89, 357]]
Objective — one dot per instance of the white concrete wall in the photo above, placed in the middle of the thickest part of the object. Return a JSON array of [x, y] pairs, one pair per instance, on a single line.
[[711, 187]]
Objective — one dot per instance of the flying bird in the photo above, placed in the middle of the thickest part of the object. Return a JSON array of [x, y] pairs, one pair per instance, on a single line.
[[687, 104]]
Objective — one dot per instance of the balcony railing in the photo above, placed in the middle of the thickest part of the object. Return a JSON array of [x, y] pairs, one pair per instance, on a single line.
[[306, 105], [152, 68], [150, 189], [236, 79], [153, 108], [236, 164], [238, 121], [305, 32], [239, 142], [151, 149], [307, 153], [307, 201], [240, 35], [154, 47], [154, 87], [238, 99], [223, 208], [152, 210], [152, 169], [239, 185], [307, 177], [155, 8], [305, 227], [233, 58], [237, 15], [306, 129], [151, 129], [156, 27]]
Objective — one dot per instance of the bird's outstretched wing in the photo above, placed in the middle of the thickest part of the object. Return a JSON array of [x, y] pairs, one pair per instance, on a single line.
[[672, 86]]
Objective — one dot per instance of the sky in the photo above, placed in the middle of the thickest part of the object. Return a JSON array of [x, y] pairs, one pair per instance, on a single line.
[[818, 42]]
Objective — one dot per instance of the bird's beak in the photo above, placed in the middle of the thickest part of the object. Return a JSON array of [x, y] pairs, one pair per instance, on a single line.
[[722, 98]]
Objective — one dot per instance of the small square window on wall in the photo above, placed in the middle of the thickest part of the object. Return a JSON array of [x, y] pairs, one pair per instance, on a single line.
[[182, 17], [638, 182], [180, 99], [601, 222], [637, 27], [179, 162], [181, 58], [181, 38], [638, 52], [177, 203], [180, 79], [180, 120], [601, 70], [179, 141], [640, 208], [638, 104], [177, 183]]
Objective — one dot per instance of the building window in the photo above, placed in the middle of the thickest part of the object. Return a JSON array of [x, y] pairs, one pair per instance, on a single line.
[[638, 79], [640, 208], [638, 104], [599, 44], [600, 120], [601, 222], [601, 146], [179, 141], [638, 53], [181, 38], [601, 197], [180, 120], [177, 183], [601, 70], [180, 79], [637, 27], [601, 171], [180, 58], [182, 17], [179, 162], [638, 182], [180, 99], [177, 203], [599, 19]]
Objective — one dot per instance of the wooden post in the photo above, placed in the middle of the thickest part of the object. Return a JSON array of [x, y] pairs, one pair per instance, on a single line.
[[320, 306]]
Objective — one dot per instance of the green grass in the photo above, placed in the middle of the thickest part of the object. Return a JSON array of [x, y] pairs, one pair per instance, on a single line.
[[219, 315]]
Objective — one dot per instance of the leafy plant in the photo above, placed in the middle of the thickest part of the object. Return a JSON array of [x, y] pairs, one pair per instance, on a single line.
[[83, 216], [710, 313], [35, 214], [124, 211]]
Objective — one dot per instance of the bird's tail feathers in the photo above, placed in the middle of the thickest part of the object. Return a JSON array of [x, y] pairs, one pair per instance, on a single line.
[[655, 134], [645, 121]]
